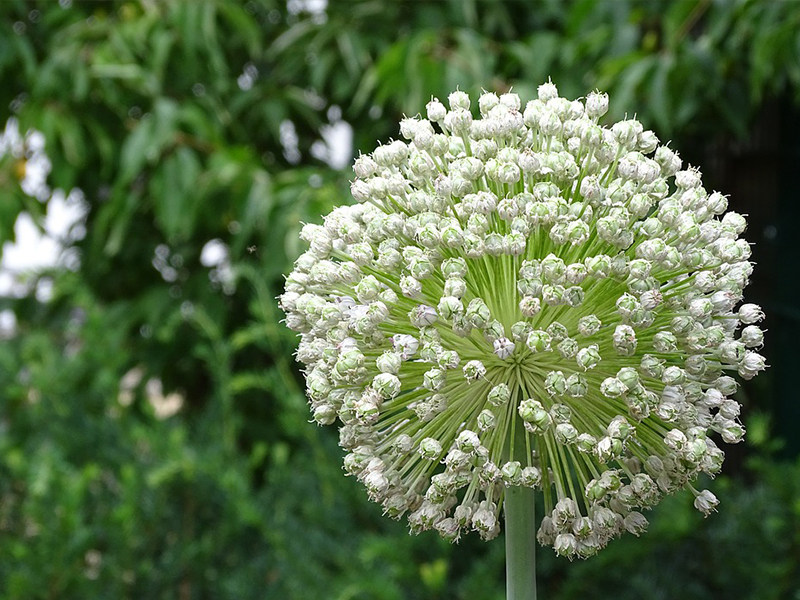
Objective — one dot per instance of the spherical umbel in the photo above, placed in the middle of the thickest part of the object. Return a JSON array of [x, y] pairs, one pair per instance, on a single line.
[[526, 298]]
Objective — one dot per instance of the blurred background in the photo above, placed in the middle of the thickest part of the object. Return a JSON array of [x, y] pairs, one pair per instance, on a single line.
[[156, 161]]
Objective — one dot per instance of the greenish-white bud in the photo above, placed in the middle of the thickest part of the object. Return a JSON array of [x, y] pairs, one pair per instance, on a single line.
[[499, 395], [538, 341], [474, 370], [430, 449], [588, 357]]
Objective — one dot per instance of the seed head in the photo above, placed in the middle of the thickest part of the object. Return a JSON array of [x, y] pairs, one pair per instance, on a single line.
[[526, 298]]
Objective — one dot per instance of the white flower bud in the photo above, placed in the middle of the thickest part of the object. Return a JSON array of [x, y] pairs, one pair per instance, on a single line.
[[627, 132], [410, 287], [750, 313], [565, 433], [731, 432], [434, 379], [447, 359], [367, 410], [487, 101], [706, 502], [717, 203], [474, 370], [566, 545], [467, 442], [361, 190], [734, 222], [511, 101], [752, 364], [596, 104], [665, 342], [389, 362], [405, 345], [575, 273], [455, 287], [752, 336], [423, 315], [530, 306], [690, 178], [675, 439], [430, 449], [669, 161], [629, 378], [651, 299], [324, 414], [635, 523], [547, 91], [387, 384], [538, 341], [589, 325], [586, 443], [607, 449], [436, 110], [365, 166], [458, 120], [611, 387], [503, 348], [449, 306], [448, 529], [486, 420], [458, 100], [553, 294], [499, 395], [673, 375], [624, 340], [533, 413], [484, 519], [647, 142], [574, 296]]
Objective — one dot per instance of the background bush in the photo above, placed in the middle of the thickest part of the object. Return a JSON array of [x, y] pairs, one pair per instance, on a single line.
[[188, 121]]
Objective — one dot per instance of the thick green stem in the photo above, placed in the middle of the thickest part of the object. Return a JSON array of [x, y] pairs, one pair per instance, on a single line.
[[519, 507]]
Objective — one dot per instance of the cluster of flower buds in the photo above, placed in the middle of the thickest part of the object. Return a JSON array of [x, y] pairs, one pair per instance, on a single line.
[[528, 298]]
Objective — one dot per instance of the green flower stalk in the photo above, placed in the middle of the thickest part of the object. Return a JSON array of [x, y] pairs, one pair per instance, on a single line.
[[528, 299]]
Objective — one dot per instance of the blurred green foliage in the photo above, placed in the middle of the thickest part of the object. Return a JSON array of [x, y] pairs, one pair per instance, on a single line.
[[171, 118]]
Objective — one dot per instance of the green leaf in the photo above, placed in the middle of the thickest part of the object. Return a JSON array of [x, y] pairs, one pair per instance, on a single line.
[[116, 218], [245, 26], [536, 55], [174, 194], [118, 71], [659, 100], [243, 382], [628, 83], [72, 141], [257, 213], [136, 148]]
